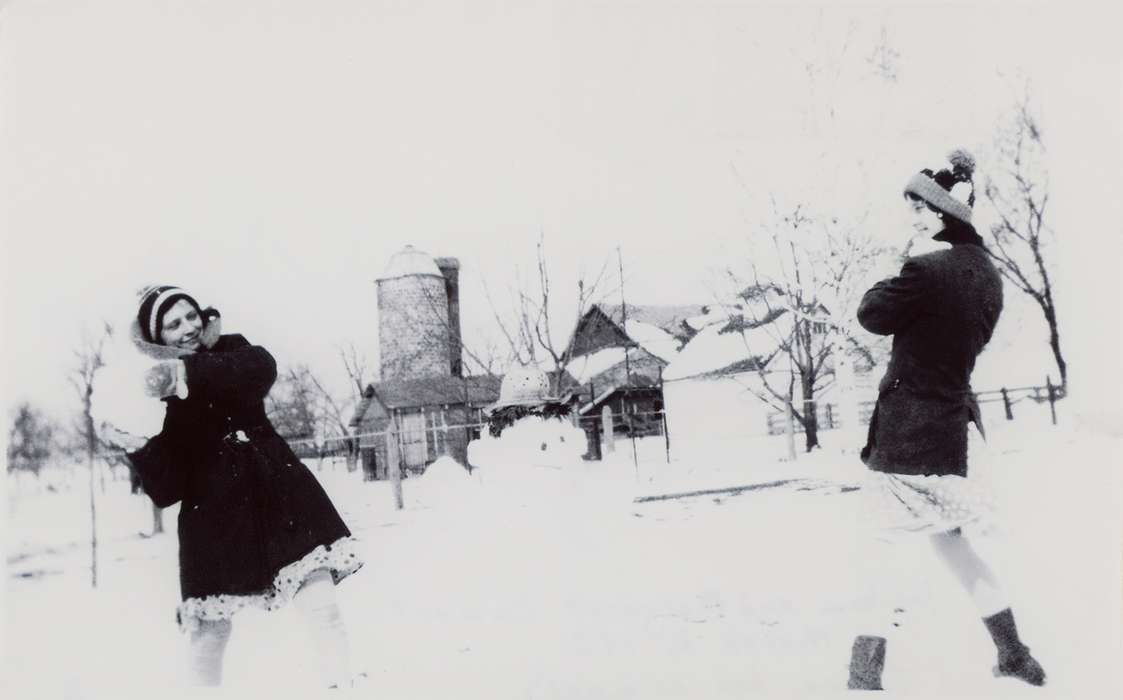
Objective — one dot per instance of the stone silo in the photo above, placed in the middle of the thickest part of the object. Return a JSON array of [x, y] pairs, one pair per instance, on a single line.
[[413, 317]]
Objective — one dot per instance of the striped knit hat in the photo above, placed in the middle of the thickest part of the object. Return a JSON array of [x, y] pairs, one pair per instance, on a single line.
[[950, 189], [154, 303]]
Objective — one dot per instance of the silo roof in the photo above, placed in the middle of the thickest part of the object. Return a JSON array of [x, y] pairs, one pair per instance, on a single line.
[[410, 261]]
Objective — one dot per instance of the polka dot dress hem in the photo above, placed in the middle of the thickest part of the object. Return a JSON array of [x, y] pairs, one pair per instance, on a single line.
[[905, 504], [340, 558], [929, 505]]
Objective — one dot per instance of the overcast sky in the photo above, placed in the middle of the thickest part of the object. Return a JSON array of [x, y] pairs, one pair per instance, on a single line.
[[271, 156]]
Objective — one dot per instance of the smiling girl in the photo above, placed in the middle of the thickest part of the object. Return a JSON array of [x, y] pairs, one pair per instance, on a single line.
[[255, 527]]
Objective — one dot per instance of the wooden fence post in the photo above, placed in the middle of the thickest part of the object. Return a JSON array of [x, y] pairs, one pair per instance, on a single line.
[[1006, 403], [394, 464], [663, 417], [595, 449], [606, 428]]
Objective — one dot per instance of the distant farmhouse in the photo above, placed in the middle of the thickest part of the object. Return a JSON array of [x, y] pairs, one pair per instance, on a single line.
[[423, 393], [616, 358]]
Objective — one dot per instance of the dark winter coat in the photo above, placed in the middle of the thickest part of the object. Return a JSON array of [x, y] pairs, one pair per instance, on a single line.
[[941, 311], [249, 507]]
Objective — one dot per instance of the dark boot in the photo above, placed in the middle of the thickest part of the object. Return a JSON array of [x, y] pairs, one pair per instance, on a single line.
[[1014, 659], [867, 659]]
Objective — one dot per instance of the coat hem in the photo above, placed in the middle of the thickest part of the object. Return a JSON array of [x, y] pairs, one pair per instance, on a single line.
[[340, 558]]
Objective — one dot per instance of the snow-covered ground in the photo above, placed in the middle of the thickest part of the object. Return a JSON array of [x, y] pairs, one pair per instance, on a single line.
[[559, 584]]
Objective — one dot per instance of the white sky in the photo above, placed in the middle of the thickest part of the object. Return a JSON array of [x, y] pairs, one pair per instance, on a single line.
[[271, 156]]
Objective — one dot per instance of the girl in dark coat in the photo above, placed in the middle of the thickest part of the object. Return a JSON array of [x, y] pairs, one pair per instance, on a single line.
[[255, 527], [941, 310]]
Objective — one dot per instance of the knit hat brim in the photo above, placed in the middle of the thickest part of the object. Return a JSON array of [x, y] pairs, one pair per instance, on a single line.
[[930, 191], [212, 331]]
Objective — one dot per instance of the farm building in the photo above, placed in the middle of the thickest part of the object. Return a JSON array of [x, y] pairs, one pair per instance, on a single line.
[[717, 386], [616, 358], [422, 394]]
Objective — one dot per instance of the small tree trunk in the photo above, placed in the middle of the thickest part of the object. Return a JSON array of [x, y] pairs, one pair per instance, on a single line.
[[810, 417], [789, 429], [1055, 345], [93, 515], [157, 519], [352, 455]]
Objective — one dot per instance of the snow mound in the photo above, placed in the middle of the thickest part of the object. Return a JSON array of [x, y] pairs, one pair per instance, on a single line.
[[446, 470], [531, 441], [445, 486]]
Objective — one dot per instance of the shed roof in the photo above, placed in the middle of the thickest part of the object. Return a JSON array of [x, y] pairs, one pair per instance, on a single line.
[[427, 391]]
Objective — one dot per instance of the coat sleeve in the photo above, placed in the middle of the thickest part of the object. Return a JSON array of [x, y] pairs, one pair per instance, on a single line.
[[242, 371], [160, 468], [892, 304]]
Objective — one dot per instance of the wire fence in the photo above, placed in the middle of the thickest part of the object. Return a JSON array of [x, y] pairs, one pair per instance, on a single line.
[[411, 449]]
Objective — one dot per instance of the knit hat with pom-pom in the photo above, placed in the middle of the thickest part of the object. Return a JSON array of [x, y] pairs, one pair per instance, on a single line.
[[949, 189]]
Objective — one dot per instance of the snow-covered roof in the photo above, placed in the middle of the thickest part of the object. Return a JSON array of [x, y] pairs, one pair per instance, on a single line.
[[410, 261], [713, 350], [655, 340], [585, 367], [714, 314], [666, 318]]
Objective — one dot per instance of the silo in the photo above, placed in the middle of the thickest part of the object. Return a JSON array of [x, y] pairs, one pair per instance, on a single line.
[[413, 319]]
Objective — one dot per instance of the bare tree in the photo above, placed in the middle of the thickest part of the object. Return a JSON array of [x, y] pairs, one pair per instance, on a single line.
[[1018, 192], [530, 326], [335, 412], [802, 298], [293, 406], [89, 358]]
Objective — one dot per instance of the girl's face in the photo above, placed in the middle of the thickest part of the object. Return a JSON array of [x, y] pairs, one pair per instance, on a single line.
[[926, 222], [182, 326]]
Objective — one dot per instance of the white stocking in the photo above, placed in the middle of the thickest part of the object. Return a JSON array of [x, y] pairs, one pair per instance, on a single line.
[[208, 644], [973, 573], [317, 604]]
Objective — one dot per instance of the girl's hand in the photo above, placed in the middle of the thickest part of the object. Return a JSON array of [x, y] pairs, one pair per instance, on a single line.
[[119, 438], [161, 378]]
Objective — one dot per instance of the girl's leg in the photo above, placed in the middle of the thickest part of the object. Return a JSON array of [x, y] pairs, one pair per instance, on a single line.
[[317, 604], [208, 644], [982, 585], [973, 573]]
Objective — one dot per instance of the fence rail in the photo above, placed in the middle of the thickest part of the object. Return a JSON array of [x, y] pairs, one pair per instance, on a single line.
[[827, 414]]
